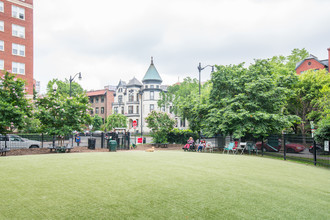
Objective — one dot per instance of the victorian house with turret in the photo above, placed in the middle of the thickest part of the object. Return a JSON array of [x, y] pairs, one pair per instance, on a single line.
[[136, 100]]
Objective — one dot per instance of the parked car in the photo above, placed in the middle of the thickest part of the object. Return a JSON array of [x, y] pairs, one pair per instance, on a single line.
[[319, 149], [290, 147], [97, 133], [17, 142]]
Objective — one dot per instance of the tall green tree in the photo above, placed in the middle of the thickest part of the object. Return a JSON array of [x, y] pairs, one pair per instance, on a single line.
[[160, 124], [248, 101], [60, 114], [307, 103], [64, 87], [97, 122], [14, 107], [116, 121], [186, 101]]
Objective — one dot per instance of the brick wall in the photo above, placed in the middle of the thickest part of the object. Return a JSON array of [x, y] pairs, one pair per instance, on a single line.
[[8, 39], [309, 64]]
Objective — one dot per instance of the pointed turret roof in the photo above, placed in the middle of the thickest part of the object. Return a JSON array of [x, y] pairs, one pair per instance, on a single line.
[[152, 73], [134, 82], [121, 84]]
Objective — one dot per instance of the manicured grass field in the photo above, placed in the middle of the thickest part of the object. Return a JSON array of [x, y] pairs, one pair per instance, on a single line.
[[160, 185]]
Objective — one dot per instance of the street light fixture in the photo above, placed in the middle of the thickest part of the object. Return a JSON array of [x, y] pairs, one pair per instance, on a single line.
[[200, 68], [72, 78], [54, 90]]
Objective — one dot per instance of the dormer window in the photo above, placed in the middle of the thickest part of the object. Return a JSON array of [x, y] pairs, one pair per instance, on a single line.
[[146, 87], [152, 86]]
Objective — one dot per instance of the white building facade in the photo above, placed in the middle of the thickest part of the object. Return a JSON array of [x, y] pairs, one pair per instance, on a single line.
[[136, 100]]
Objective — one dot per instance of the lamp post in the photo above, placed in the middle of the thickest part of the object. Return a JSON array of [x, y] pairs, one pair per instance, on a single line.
[[141, 93], [72, 78], [200, 68], [54, 90]]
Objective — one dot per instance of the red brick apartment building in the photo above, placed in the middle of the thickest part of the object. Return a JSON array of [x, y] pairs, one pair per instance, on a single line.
[[312, 62], [16, 40], [101, 102]]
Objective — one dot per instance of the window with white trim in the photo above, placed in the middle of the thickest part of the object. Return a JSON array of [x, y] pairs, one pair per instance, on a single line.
[[18, 68], [17, 12], [18, 31], [2, 45], [19, 50], [152, 107], [2, 65], [152, 95], [2, 26], [1, 7], [130, 109]]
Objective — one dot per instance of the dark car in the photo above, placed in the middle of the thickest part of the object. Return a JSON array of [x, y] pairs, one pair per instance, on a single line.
[[290, 147], [97, 133], [319, 149]]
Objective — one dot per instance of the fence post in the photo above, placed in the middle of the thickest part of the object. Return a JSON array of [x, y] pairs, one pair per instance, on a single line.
[[102, 140], [53, 140], [314, 152], [262, 147], [42, 140], [284, 155]]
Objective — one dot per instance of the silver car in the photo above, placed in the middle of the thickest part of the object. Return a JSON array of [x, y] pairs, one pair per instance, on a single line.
[[17, 142]]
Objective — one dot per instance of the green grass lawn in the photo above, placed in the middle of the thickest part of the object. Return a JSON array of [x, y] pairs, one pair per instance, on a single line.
[[160, 185]]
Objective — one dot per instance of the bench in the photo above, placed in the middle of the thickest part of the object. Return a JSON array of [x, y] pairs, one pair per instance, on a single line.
[[4, 151], [60, 149]]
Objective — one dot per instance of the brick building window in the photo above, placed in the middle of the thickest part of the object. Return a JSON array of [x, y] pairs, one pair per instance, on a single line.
[[92, 112], [102, 99], [18, 50], [2, 26], [2, 65], [96, 99], [2, 45], [18, 31], [17, 12], [91, 100], [102, 110], [18, 68], [96, 110], [1, 7]]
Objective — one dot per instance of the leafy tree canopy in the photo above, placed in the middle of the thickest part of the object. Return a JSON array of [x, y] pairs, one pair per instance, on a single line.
[[60, 114], [160, 124], [14, 107], [310, 100], [64, 87], [116, 121], [247, 101], [97, 122]]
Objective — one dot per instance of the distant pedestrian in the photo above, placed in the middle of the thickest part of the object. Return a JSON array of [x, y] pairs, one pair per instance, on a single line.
[[77, 139]]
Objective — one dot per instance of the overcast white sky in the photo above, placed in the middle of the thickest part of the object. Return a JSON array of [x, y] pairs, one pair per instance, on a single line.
[[109, 40]]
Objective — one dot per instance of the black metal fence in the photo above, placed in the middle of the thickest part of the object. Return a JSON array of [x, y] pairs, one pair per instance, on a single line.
[[100, 140], [301, 148]]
